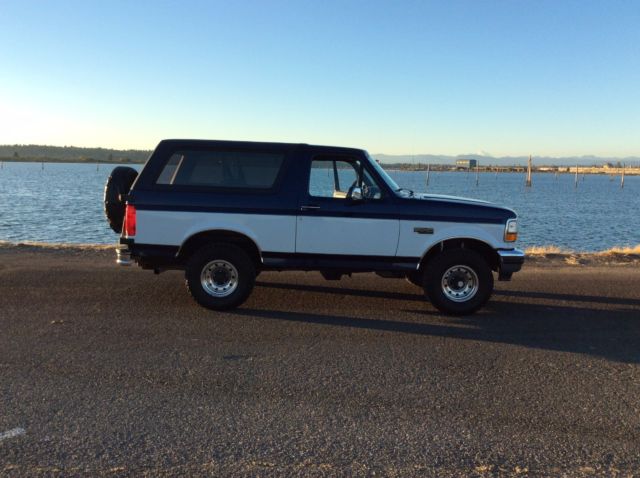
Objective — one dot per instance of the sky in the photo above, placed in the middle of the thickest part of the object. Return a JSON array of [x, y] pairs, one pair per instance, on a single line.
[[549, 78]]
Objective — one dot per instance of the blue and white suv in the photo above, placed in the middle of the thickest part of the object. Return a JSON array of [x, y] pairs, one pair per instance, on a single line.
[[224, 211]]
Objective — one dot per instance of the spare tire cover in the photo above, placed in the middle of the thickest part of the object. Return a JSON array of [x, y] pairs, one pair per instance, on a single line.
[[117, 186]]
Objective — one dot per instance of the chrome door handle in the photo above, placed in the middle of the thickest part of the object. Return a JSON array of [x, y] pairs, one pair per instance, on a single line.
[[309, 208]]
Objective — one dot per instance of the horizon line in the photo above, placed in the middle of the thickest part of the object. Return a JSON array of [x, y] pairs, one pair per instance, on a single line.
[[459, 155]]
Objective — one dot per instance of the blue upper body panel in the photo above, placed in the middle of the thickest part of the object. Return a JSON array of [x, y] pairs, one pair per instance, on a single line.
[[290, 191]]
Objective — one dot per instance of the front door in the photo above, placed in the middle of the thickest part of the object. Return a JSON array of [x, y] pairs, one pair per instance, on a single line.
[[331, 222]]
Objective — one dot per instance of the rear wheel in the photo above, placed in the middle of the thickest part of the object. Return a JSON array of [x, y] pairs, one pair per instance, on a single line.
[[458, 281], [220, 276]]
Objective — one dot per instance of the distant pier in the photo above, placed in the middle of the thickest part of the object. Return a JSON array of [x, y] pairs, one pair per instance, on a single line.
[[556, 170]]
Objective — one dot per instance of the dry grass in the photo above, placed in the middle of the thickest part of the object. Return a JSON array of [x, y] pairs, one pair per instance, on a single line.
[[542, 250], [554, 255], [54, 246], [620, 250]]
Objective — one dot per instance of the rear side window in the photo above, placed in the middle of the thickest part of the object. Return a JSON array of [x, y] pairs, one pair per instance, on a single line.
[[222, 169]]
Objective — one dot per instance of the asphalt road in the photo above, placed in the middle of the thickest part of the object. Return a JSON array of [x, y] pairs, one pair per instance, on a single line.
[[112, 371]]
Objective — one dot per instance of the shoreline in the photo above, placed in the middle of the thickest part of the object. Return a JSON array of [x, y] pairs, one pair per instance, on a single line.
[[536, 256], [115, 162], [562, 169]]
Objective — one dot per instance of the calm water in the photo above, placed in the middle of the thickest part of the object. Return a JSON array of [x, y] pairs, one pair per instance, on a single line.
[[63, 203]]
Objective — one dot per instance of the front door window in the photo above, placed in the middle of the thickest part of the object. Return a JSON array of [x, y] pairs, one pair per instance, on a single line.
[[336, 178]]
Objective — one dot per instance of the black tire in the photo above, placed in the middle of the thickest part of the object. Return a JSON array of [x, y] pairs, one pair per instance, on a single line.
[[416, 278], [237, 258], [117, 186], [470, 263]]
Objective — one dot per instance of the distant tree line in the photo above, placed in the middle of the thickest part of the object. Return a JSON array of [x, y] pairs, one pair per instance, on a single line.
[[34, 152]]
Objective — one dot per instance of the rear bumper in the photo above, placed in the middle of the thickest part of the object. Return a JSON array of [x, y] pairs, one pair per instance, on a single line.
[[511, 261], [123, 255], [148, 256]]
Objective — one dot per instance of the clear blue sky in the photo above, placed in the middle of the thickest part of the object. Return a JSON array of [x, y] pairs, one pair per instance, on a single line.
[[443, 77]]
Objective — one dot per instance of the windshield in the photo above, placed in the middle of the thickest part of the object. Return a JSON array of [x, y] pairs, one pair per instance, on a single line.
[[385, 176]]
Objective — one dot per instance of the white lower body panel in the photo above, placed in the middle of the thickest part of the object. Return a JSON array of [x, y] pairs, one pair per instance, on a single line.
[[414, 244], [172, 228], [347, 236]]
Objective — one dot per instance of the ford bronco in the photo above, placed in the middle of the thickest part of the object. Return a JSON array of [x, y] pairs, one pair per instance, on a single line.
[[224, 211]]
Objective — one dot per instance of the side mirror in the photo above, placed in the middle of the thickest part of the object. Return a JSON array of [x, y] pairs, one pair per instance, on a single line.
[[356, 194]]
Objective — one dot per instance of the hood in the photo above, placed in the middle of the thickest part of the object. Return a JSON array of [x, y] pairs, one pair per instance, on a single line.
[[456, 199], [460, 208]]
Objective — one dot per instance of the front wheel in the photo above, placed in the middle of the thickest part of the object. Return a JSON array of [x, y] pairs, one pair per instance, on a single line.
[[220, 276], [458, 281]]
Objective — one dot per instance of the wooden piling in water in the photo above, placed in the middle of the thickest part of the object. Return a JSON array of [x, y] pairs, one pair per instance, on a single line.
[[622, 178], [575, 185], [428, 172], [528, 180]]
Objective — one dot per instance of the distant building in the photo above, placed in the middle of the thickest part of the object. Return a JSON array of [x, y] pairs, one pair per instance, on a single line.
[[466, 163]]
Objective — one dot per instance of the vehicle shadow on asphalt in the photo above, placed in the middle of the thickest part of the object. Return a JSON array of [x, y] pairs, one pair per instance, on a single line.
[[611, 333], [614, 335], [418, 296], [568, 297]]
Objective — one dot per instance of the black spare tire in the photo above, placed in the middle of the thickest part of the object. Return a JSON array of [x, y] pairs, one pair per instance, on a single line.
[[117, 186]]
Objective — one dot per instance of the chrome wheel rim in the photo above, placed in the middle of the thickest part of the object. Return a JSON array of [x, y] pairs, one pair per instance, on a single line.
[[460, 283], [219, 278]]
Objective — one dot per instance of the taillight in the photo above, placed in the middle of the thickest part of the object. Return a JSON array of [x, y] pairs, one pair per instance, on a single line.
[[130, 221]]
